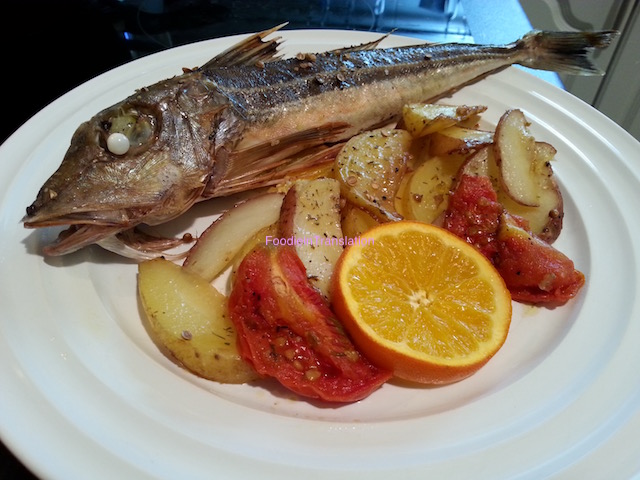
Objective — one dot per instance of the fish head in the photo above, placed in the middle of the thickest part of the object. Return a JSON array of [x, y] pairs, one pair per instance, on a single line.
[[144, 160]]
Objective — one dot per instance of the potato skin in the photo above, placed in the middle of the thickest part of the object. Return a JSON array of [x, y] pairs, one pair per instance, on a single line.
[[223, 239], [188, 317], [310, 215], [546, 217]]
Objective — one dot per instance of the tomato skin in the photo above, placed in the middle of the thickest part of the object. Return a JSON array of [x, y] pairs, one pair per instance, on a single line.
[[474, 212], [533, 270], [286, 330]]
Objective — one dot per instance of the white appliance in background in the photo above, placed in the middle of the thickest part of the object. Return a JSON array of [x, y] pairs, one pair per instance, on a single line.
[[617, 94]]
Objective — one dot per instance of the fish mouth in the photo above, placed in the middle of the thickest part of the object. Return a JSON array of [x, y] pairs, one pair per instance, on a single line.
[[78, 236], [51, 215], [83, 229]]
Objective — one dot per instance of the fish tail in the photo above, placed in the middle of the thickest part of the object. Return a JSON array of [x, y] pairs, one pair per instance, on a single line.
[[564, 52]]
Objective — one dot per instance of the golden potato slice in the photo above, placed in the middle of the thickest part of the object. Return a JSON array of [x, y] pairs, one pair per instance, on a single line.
[[423, 119], [310, 218], [188, 317], [426, 196], [356, 221], [472, 121], [403, 191], [457, 140], [370, 167], [481, 163]]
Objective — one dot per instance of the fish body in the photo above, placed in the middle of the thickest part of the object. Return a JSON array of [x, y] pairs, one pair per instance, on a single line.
[[247, 119]]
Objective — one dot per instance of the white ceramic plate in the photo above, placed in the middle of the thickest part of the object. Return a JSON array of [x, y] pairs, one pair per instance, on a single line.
[[86, 394]]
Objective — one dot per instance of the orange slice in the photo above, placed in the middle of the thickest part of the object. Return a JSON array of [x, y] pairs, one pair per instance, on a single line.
[[421, 302]]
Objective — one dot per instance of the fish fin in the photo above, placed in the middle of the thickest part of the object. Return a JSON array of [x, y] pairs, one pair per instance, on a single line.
[[138, 245], [78, 236], [364, 46], [284, 147], [270, 156], [274, 173], [248, 51], [564, 52]]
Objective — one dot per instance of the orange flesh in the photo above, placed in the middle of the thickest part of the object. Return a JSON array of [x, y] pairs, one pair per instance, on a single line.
[[422, 295]]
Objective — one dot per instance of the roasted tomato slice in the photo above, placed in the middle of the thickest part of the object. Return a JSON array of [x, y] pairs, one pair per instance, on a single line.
[[473, 213], [287, 330], [533, 270]]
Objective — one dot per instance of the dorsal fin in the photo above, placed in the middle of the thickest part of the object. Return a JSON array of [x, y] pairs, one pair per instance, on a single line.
[[371, 45], [249, 51], [364, 46]]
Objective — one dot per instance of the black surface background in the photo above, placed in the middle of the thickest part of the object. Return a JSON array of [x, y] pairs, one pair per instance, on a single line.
[[50, 47]]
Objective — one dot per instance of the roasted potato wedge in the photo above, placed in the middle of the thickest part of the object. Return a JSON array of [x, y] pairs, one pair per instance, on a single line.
[[545, 219], [356, 221], [423, 119], [458, 140], [481, 163], [515, 153], [188, 317], [223, 239], [310, 216], [426, 195], [262, 237], [370, 167]]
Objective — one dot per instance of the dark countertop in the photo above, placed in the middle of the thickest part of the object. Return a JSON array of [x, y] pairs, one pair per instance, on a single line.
[[59, 45]]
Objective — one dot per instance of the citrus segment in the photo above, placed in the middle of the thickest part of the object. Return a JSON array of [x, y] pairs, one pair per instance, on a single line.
[[421, 302]]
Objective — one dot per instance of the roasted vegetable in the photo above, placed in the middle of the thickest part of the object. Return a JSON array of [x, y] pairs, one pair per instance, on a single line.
[[188, 317], [310, 220], [545, 219], [515, 156], [356, 221], [224, 238], [370, 167], [287, 330], [458, 140], [422, 119], [533, 270], [426, 195]]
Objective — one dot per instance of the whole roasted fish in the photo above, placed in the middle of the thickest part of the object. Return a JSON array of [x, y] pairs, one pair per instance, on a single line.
[[247, 119]]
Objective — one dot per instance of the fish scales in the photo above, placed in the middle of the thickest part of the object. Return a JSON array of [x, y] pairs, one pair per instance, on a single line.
[[339, 87], [257, 92]]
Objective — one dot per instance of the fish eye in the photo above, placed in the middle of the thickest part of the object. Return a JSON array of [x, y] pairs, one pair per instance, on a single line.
[[127, 130], [118, 143]]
